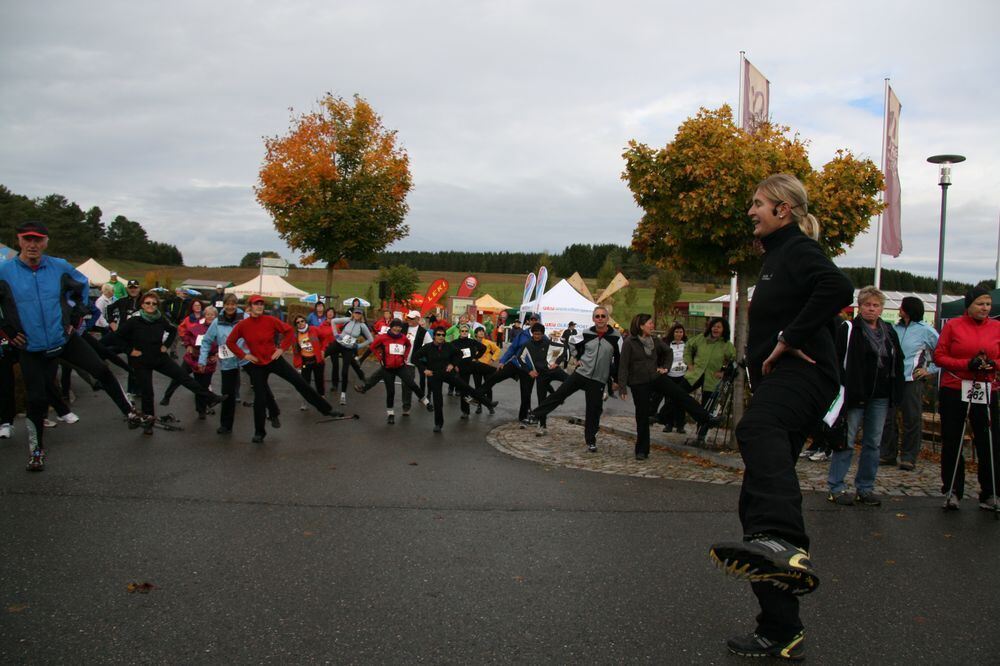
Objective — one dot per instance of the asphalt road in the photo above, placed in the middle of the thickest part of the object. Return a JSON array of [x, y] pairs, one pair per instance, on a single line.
[[359, 542]]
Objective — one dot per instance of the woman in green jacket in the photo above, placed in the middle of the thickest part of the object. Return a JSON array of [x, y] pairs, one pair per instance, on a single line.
[[706, 355]]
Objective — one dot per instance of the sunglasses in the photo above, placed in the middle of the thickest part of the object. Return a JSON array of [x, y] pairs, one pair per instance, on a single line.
[[439, 335], [597, 316], [154, 303]]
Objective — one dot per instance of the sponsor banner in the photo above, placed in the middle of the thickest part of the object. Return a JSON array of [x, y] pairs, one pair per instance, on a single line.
[[543, 277], [468, 286], [437, 289], [756, 97], [529, 288], [892, 233], [705, 309]]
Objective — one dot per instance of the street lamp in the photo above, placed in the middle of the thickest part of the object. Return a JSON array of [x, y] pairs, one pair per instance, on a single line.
[[945, 161]]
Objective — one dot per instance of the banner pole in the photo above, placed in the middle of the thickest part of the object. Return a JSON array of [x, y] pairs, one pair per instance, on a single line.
[[733, 282], [881, 196], [998, 258]]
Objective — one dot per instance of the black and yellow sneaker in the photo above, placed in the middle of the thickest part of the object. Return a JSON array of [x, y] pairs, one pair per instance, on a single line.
[[755, 645], [767, 559]]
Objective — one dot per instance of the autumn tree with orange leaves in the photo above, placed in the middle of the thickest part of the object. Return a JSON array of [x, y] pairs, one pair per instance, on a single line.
[[696, 191], [336, 184]]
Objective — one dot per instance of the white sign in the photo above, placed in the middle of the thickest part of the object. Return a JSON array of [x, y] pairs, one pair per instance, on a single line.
[[977, 393]]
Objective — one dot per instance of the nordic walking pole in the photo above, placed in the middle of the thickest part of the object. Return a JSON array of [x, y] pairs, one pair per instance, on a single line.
[[989, 440], [958, 455]]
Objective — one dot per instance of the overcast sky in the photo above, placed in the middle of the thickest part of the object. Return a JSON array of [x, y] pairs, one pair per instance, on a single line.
[[514, 113]]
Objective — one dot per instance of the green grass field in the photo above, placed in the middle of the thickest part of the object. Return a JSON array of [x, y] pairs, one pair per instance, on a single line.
[[348, 283]]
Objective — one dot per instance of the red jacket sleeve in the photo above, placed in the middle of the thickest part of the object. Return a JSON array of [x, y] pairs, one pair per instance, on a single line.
[[286, 331], [942, 353]]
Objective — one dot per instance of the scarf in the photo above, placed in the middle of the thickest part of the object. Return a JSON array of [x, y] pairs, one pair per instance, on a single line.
[[151, 318], [877, 340], [647, 344]]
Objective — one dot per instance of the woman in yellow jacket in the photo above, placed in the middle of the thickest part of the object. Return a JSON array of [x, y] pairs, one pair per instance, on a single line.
[[706, 355], [486, 364]]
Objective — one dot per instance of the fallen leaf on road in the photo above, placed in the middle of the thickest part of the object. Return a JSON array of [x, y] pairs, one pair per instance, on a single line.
[[890, 561], [876, 534], [17, 608], [902, 516], [414, 464], [518, 579], [333, 467], [142, 588], [948, 536], [920, 619], [307, 533]]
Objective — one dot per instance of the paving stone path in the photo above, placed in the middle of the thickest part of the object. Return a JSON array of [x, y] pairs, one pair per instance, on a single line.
[[672, 458]]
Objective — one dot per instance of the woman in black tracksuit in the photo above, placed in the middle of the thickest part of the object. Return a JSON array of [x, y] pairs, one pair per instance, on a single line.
[[438, 361], [469, 349], [147, 336], [794, 376], [643, 368]]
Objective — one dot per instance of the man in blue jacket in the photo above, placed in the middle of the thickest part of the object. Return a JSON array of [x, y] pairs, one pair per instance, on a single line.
[[515, 364], [42, 299]]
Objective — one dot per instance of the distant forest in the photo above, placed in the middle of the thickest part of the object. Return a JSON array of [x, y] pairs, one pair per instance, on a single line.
[[79, 234]]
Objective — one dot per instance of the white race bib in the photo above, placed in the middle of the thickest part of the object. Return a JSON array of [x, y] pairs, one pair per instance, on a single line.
[[397, 349], [977, 393], [306, 345], [466, 352], [346, 340], [225, 353], [679, 367], [197, 341]]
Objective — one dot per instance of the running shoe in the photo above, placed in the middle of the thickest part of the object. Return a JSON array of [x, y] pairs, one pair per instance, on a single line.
[[989, 504], [479, 409], [343, 398], [69, 417], [36, 461], [213, 399], [165, 401], [464, 416], [842, 498], [360, 388], [390, 419], [767, 559], [48, 423], [134, 420], [275, 422], [303, 407], [6, 430], [806, 453], [755, 645], [642, 456], [867, 499], [437, 428], [223, 430], [147, 424], [887, 462], [951, 502], [257, 438], [542, 431], [592, 447], [907, 466], [820, 456]]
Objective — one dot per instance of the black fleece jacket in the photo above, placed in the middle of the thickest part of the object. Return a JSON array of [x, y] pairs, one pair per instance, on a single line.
[[798, 294]]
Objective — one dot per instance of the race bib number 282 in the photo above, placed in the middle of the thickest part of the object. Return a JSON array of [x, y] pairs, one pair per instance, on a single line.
[[976, 393]]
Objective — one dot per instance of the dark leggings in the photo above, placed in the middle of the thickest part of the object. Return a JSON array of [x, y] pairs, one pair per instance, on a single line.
[[37, 369], [953, 416], [279, 366], [477, 372], [314, 371], [346, 359], [143, 368], [451, 379], [594, 394], [7, 408], [388, 377]]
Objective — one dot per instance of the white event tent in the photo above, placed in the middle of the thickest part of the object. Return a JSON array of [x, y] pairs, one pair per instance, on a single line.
[[96, 273], [560, 305], [268, 286]]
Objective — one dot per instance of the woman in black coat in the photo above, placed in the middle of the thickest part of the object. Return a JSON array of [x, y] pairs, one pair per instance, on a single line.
[[645, 361], [147, 336]]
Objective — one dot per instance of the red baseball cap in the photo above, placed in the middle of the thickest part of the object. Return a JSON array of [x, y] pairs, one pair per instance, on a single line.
[[33, 229], [255, 298]]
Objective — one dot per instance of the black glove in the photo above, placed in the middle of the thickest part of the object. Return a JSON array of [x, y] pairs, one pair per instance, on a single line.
[[977, 363]]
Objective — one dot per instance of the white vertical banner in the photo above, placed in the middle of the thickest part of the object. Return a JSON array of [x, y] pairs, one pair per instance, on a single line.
[[892, 235], [756, 97]]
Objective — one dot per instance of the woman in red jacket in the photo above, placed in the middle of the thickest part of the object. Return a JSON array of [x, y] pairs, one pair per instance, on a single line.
[[391, 349], [307, 352], [259, 332], [969, 351]]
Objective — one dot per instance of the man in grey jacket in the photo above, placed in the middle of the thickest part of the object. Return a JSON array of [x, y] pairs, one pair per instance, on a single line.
[[598, 349]]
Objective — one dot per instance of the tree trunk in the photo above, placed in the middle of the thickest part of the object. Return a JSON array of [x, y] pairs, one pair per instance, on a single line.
[[740, 341], [329, 281]]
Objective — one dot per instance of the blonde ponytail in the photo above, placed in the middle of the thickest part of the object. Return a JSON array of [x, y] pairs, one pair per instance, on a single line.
[[786, 188]]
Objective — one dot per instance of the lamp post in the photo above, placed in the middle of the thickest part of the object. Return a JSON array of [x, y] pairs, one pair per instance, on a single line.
[[945, 162]]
